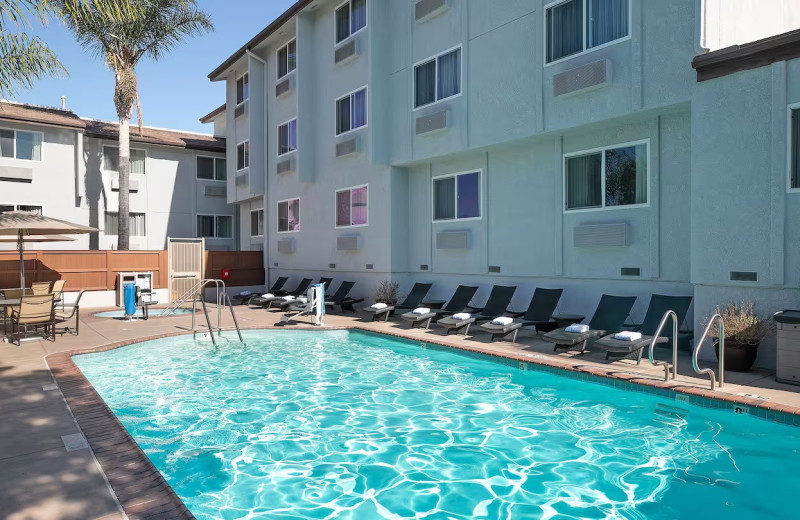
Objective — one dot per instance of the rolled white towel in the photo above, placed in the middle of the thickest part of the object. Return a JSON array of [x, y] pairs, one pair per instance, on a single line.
[[503, 320], [628, 335], [289, 298], [578, 328], [268, 295], [303, 299], [462, 315], [378, 306], [421, 310]]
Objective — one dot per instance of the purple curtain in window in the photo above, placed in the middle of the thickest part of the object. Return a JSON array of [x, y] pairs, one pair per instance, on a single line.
[[343, 208], [359, 204], [469, 195], [294, 215]]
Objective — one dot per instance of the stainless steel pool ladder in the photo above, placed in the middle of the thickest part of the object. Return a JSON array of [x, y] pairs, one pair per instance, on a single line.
[[721, 335], [195, 294], [670, 369]]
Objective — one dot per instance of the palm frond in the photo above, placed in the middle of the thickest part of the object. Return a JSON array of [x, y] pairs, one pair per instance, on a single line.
[[23, 60], [20, 13]]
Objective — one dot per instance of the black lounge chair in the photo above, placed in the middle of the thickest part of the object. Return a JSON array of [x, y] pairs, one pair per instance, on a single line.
[[539, 315], [284, 304], [459, 302], [244, 299], [659, 305], [343, 299], [611, 313], [496, 306], [412, 301], [300, 290]]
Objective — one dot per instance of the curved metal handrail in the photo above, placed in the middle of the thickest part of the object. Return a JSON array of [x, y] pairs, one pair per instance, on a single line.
[[664, 364], [710, 372]]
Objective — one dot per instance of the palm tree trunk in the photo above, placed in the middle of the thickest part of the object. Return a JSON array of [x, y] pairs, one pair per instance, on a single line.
[[124, 165]]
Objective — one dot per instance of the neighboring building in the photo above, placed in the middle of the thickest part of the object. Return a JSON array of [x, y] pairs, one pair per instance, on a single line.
[[55, 162], [534, 143]]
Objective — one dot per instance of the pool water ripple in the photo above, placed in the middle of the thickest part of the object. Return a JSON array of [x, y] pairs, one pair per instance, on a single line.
[[352, 425]]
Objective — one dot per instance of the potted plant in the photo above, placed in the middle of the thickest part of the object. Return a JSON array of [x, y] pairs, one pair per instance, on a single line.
[[744, 331], [387, 292]]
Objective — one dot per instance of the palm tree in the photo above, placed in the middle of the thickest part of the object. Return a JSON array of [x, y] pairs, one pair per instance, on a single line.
[[122, 32]]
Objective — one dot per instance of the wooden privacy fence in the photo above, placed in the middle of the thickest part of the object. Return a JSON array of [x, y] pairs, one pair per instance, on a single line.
[[98, 270]]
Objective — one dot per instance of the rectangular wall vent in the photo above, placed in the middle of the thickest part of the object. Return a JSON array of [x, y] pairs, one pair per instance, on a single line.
[[369, 266], [241, 179], [423, 267], [347, 148], [630, 271], [284, 87], [744, 276], [240, 110], [347, 243], [431, 123], [494, 268], [133, 185], [346, 52], [275, 264], [601, 235], [452, 240], [13, 174], [424, 10], [593, 75], [215, 191], [286, 246], [286, 166], [331, 266]]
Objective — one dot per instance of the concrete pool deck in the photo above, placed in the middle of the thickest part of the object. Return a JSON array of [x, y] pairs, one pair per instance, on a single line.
[[41, 479]]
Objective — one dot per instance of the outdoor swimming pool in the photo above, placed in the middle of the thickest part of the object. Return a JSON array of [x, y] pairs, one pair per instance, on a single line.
[[152, 312], [314, 424]]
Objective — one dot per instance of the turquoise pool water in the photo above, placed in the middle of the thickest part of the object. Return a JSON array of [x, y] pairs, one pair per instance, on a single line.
[[352, 425], [152, 312]]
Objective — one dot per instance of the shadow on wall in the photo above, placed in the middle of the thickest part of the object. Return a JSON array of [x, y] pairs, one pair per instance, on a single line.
[[94, 189]]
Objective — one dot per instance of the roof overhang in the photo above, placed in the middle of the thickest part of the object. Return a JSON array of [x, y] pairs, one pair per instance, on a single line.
[[747, 56]]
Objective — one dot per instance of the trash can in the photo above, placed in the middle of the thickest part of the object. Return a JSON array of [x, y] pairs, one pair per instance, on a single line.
[[129, 298], [788, 359]]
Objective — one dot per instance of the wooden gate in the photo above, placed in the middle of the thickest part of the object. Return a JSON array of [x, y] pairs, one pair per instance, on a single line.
[[185, 266]]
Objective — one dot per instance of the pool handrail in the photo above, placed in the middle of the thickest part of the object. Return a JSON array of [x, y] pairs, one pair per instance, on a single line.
[[668, 367], [721, 335]]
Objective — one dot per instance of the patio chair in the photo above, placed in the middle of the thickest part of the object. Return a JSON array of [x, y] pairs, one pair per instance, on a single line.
[[496, 306], [539, 315], [244, 298], [34, 311], [659, 305], [266, 301], [11, 294], [58, 292], [611, 313], [458, 303], [40, 288], [74, 311], [343, 299], [412, 301]]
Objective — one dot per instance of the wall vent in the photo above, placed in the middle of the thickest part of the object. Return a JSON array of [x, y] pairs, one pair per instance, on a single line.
[[286, 166], [601, 235], [240, 110], [347, 243], [630, 271], [347, 148], [275, 264], [593, 75], [452, 240], [423, 267], [286, 246], [215, 191], [241, 179], [424, 10], [284, 87], [133, 185], [12, 174], [431, 123], [331, 266], [346, 53], [494, 268], [370, 266], [744, 276]]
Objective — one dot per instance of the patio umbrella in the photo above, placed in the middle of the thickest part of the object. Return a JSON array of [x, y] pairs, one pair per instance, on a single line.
[[23, 224]]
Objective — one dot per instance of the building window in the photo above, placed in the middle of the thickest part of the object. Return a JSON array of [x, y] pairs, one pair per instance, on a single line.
[[211, 168], [289, 216], [287, 137], [457, 196], [794, 180], [242, 89], [351, 207], [18, 144], [243, 155], [137, 224], [437, 78], [574, 26], [111, 160], [287, 58], [351, 111], [609, 177], [21, 207], [214, 226], [351, 17], [257, 223]]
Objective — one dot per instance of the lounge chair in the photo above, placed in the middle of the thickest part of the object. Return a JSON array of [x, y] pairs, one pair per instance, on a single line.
[[284, 304], [458, 303], [343, 299], [73, 312], [611, 313], [33, 312], [267, 301], [58, 292], [496, 306], [41, 288], [412, 301], [539, 315], [244, 298], [659, 305]]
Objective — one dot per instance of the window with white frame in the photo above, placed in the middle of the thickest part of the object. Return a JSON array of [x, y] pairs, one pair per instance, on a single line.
[[351, 17], [289, 216], [211, 168], [243, 155], [214, 226], [437, 78], [457, 196], [607, 177], [257, 223], [794, 143], [351, 111], [242, 89], [111, 160], [287, 137], [30, 208], [19, 144], [136, 224], [351, 207], [287, 58], [574, 26]]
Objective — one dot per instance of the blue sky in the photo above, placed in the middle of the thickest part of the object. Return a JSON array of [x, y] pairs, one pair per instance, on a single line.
[[175, 92]]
